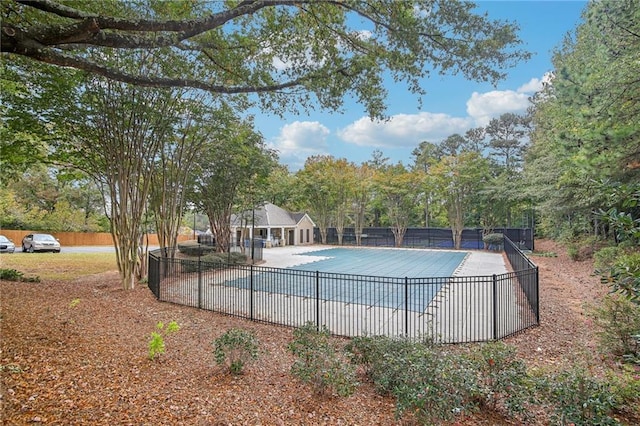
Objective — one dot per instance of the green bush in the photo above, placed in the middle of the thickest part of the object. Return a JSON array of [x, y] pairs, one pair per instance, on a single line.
[[624, 276], [156, 342], [388, 361], [495, 241], [213, 261], [619, 321], [606, 257], [320, 363], [193, 248], [577, 397], [502, 379], [428, 383], [235, 349]]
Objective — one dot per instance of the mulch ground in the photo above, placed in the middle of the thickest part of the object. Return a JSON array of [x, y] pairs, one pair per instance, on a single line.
[[76, 353]]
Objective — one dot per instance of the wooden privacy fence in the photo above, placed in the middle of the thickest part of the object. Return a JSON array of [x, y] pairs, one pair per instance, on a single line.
[[78, 238]]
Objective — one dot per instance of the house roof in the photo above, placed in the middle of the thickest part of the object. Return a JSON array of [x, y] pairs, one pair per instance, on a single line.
[[268, 215]]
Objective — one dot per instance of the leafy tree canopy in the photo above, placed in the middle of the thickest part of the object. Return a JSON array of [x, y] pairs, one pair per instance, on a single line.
[[293, 53]]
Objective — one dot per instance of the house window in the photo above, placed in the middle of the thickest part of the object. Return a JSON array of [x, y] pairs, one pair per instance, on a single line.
[[307, 235], [301, 236]]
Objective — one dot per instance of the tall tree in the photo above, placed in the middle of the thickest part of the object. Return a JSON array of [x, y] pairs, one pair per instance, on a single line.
[[424, 157], [585, 121], [458, 179], [344, 184], [317, 186], [175, 164], [236, 159], [399, 189], [507, 138], [120, 131], [283, 50], [363, 191]]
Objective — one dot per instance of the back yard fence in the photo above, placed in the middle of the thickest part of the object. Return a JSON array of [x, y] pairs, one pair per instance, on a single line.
[[446, 309]]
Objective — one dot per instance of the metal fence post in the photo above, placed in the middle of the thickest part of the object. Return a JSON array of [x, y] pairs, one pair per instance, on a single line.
[[251, 292], [406, 306], [495, 307], [318, 300], [199, 283], [537, 284]]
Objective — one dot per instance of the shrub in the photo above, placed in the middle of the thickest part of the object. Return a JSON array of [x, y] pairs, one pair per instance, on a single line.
[[156, 343], [495, 241], [624, 276], [428, 383], [193, 248], [213, 261], [502, 381], [619, 321], [606, 257], [320, 362], [388, 361], [235, 348], [579, 398], [573, 252]]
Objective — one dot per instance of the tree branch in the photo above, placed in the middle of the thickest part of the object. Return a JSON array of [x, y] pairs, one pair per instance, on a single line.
[[57, 58]]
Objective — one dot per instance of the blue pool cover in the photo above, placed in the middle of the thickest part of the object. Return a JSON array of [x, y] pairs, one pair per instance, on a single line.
[[364, 289]]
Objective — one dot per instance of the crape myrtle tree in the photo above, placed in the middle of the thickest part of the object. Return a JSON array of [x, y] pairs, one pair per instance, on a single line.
[[317, 186], [398, 189], [173, 175], [290, 54], [458, 179], [236, 159], [124, 130]]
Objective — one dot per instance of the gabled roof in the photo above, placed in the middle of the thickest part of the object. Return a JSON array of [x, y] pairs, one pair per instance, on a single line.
[[268, 215]]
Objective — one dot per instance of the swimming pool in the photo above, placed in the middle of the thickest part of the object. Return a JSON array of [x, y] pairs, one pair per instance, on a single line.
[[397, 263], [389, 278]]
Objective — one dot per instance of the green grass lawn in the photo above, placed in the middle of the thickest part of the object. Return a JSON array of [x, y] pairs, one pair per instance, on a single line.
[[59, 266]]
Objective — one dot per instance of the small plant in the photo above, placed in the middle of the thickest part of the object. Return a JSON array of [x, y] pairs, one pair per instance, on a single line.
[[156, 343], [75, 302], [320, 363], [573, 252], [235, 348], [14, 275], [10, 275]]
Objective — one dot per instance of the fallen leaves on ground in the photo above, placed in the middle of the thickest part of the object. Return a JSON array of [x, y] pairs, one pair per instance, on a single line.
[[69, 362]]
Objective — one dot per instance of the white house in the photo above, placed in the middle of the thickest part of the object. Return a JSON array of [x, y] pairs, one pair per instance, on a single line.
[[275, 225]]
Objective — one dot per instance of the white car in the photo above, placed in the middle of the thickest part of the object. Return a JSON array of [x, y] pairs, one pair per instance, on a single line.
[[6, 245], [40, 242]]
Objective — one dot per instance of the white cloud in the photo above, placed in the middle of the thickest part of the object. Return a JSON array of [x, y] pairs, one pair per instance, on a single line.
[[482, 107], [403, 130], [301, 139], [532, 86]]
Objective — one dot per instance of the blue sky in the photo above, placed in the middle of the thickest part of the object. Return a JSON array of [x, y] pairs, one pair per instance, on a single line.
[[452, 104]]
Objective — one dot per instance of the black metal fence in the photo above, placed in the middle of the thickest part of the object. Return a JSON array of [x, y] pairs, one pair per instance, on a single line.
[[427, 237], [448, 309]]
